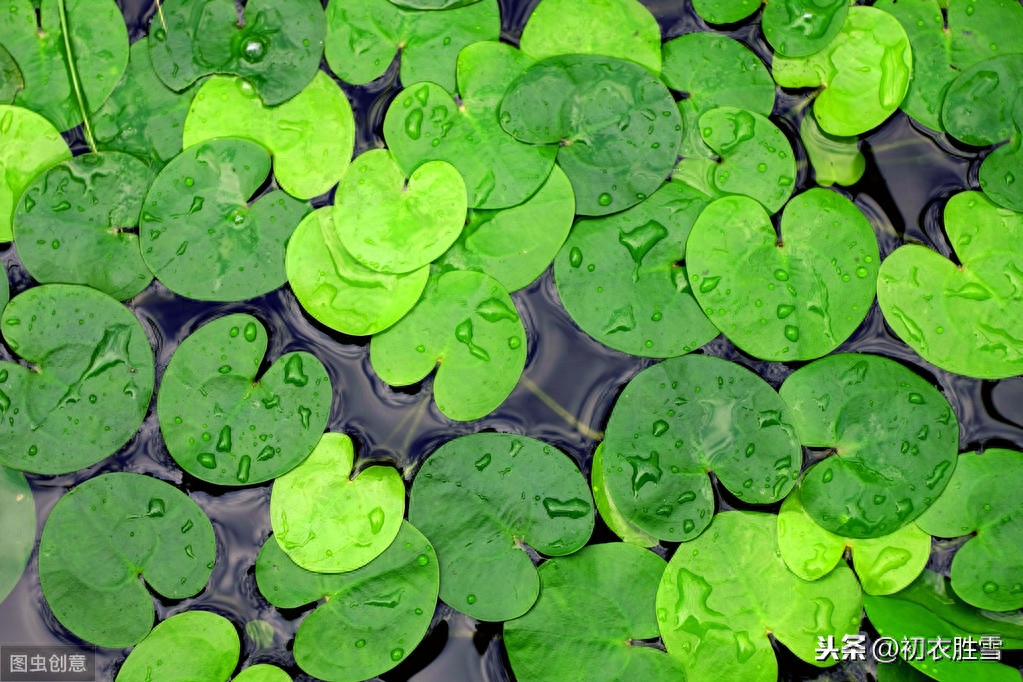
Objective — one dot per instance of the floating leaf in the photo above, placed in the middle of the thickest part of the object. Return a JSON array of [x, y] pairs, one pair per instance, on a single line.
[[894, 439], [623, 29], [194, 645], [616, 126], [820, 276], [200, 234], [326, 521], [99, 43], [424, 124], [623, 278], [800, 28], [679, 420], [374, 616], [10, 77], [982, 499], [394, 225], [224, 426], [364, 36], [964, 319], [481, 499], [261, 633], [311, 136], [5, 288], [339, 291], [864, 73], [88, 386], [615, 520], [468, 324], [263, 673], [725, 11], [276, 46], [595, 609], [18, 519], [835, 160], [107, 533], [884, 565], [723, 592], [74, 224]]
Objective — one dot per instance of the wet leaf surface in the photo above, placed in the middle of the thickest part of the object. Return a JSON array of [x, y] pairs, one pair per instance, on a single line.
[[609, 513], [799, 28]]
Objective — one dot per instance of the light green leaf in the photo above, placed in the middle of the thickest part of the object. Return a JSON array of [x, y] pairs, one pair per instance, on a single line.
[[614, 519], [835, 160], [194, 645], [799, 28], [263, 673], [725, 11], [18, 519]]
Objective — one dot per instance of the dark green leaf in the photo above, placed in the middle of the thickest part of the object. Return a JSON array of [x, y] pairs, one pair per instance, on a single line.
[[10, 77], [18, 519]]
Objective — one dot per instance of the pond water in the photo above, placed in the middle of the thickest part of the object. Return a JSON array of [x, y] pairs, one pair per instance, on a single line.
[[564, 397]]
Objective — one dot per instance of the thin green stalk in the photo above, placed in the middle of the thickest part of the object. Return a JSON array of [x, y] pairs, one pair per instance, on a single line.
[[73, 70]]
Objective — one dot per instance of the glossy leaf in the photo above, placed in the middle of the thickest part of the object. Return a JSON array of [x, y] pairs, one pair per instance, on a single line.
[[263, 673], [201, 235], [725, 11], [794, 298], [612, 517], [225, 425], [799, 28], [18, 519], [480, 499], [194, 645], [105, 535], [311, 136], [374, 616], [74, 224], [594, 610], [623, 278], [723, 592], [10, 77], [88, 386], [466, 323], [679, 420], [835, 160], [894, 439], [326, 521]]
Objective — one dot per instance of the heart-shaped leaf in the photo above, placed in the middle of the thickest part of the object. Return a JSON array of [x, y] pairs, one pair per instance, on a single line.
[[610, 514], [18, 519], [200, 234], [74, 224], [679, 420], [893, 438], [338, 290], [799, 28], [963, 318], [480, 499], [276, 45], [623, 278], [835, 160], [725, 591], [88, 386], [394, 225], [820, 276], [224, 426], [595, 609], [194, 645], [326, 521], [11, 80], [374, 616], [467, 323], [311, 136], [103, 536]]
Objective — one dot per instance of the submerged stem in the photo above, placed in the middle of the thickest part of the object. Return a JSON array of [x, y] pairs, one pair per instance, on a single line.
[[559, 410], [73, 70]]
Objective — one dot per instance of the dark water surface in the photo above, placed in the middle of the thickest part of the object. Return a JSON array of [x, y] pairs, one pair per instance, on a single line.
[[565, 396]]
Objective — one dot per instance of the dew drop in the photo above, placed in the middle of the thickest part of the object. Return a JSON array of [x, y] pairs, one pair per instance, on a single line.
[[575, 257], [604, 199]]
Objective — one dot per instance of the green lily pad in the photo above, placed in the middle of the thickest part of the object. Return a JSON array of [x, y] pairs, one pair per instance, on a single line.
[[725, 11], [87, 388], [820, 277], [263, 673], [10, 77], [99, 43], [480, 499], [893, 436], [835, 160], [74, 224], [623, 29], [28, 146], [339, 291], [982, 499], [374, 616], [884, 565], [799, 28], [224, 426], [363, 37], [394, 225], [973, 325], [18, 519], [679, 420], [200, 234], [5, 288], [623, 278], [616, 126], [311, 136], [194, 645], [424, 124], [276, 45], [864, 73], [615, 520], [143, 116], [329, 523], [515, 245], [723, 592], [595, 609], [466, 323], [107, 533]]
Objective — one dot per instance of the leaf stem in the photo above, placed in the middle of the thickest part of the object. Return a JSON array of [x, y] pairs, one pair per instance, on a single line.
[[73, 70], [559, 410]]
